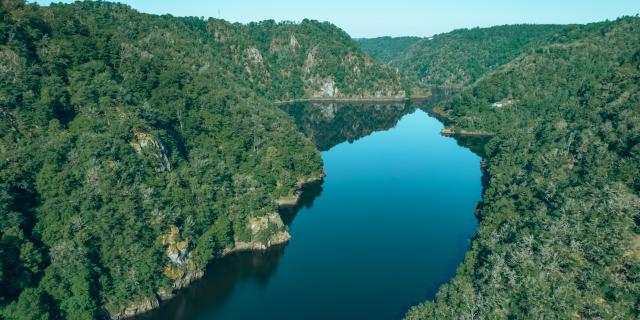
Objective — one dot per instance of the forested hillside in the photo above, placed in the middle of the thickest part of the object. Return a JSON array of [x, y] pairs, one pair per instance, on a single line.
[[387, 49], [559, 236], [136, 148], [460, 57], [285, 61]]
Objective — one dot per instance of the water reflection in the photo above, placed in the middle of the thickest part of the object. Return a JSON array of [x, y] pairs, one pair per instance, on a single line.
[[329, 124], [413, 170], [309, 193], [222, 277], [474, 143]]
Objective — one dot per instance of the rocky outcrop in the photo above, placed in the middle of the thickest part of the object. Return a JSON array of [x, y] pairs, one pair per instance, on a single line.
[[180, 267], [277, 238], [253, 55], [293, 42], [136, 308], [186, 279], [318, 87], [311, 60], [262, 235], [145, 143], [328, 89], [266, 231], [292, 200], [177, 248]]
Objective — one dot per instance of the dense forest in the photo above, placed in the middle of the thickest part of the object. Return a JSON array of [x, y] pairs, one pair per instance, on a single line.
[[559, 234], [387, 49], [460, 57], [286, 61], [136, 148]]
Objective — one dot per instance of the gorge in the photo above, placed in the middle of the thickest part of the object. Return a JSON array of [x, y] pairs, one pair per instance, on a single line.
[[141, 154], [387, 226]]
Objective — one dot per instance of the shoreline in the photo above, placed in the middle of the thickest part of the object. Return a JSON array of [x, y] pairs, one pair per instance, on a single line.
[[363, 100], [163, 295], [294, 199], [449, 132], [139, 308]]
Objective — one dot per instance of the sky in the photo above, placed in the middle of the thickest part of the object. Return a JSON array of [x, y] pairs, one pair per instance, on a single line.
[[374, 18]]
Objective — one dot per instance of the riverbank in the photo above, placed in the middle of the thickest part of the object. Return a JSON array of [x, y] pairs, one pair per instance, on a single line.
[[451, 131], [366, 207], [466, 133], [294, 199], [257, 225], [358, 100]]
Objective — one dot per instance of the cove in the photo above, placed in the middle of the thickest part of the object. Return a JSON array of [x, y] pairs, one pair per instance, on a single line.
[[388, 225]]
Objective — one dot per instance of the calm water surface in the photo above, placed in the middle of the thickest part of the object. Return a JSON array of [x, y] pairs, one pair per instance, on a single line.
[[388, 226]]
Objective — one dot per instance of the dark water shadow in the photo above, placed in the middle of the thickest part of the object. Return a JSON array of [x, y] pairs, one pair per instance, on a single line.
[[474, 143], [223, 275], [310, 192], [330, 124], [326, 126]]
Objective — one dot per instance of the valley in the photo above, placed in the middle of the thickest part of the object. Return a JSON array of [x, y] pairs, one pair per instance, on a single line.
[[160, 167]]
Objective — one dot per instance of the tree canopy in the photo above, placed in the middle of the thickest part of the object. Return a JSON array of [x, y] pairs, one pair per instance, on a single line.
[[387, 49], [459, 58], [135, 148], [559, 232]]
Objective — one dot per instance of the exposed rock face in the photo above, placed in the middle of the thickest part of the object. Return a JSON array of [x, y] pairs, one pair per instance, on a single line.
[[180, 267], [177, 250], [311, 60], [266, 231], [293, 42], [328, 89], [165, 294], [262, 223], [186, 279], [136, 308], [317, 87], [262, 236], [253, 54], [145, 143], [293, 199], [254, 65], [288, 201], [277, 238], [289, 61]]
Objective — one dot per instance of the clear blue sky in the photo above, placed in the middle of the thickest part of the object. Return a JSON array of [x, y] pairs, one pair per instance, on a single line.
[[372, 18]]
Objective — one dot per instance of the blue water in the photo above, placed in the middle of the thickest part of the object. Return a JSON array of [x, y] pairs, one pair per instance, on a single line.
[[391, 224]]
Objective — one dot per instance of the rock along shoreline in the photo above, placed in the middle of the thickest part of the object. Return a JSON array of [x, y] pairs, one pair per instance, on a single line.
[[281, 237]]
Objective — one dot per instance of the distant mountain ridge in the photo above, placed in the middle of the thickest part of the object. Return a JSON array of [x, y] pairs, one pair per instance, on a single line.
[[458, 58]]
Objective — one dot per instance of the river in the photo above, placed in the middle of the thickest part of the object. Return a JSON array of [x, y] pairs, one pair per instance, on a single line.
[[388, 225]]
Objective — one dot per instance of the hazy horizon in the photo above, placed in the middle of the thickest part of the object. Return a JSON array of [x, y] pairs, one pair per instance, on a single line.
[[377, 18]]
